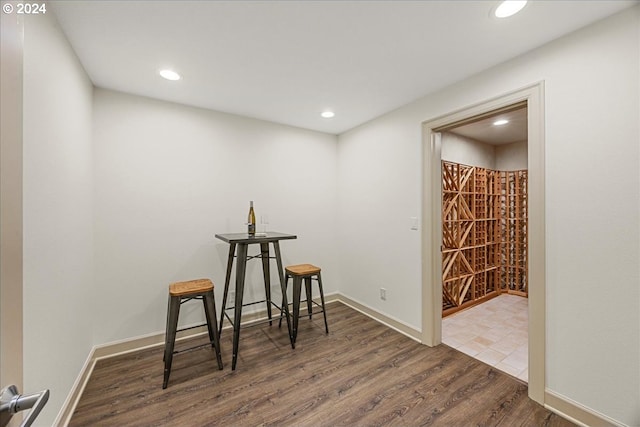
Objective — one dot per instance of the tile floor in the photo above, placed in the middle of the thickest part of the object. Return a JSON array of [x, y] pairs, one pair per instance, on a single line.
[[494, 332]]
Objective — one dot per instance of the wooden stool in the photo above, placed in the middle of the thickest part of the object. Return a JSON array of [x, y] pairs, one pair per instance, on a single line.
[[306, 272], [179, 293]]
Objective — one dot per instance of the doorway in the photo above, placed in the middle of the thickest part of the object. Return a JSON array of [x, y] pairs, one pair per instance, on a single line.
[[484, 240], [432, 230]]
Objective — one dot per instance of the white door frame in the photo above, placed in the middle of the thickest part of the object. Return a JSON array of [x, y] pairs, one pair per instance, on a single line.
[[11, 217], [432, 230]]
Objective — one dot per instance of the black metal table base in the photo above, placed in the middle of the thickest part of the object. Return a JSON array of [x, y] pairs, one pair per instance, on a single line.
[[239, 243]]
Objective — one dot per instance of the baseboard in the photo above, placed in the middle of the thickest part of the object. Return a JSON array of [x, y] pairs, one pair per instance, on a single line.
[[389, 321], [555, 402], [116, 348], [577, 413], [70, 403]]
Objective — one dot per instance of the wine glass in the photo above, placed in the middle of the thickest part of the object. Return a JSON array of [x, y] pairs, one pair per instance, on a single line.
[[264, 221]]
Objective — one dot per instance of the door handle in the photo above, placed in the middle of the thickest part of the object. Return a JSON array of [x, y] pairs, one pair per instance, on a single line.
[[11, 402]]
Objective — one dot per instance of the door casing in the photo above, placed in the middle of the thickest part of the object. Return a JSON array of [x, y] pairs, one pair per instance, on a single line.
[[432, 231], [11, 218]]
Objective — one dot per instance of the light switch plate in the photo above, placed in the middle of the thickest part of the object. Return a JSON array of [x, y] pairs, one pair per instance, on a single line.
[[414, 223]]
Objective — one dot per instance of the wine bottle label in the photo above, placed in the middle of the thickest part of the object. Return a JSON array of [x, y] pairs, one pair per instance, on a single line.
[[251, 220]]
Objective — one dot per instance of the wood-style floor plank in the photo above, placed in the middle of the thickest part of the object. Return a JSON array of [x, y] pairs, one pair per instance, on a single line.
[[362, 373]]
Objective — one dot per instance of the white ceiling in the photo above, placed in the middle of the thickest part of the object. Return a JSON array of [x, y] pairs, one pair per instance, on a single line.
[[287, 61], [485, 131]]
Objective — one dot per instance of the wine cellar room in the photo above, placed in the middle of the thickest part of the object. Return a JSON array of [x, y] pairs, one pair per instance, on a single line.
[[484, 239]]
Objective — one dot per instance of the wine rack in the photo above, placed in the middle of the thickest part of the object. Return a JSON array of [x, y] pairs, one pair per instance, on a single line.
[[484, 234]]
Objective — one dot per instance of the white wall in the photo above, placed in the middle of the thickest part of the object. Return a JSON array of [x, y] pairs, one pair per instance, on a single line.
[[58, 248], [511, 157], [592, 245], [379, 173], [466, 151], [169, 177]]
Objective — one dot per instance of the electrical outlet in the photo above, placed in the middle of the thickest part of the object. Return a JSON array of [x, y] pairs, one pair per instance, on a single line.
[[232, 296], [383, 294]]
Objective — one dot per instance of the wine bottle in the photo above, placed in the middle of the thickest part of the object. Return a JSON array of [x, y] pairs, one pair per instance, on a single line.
[[251, 222]]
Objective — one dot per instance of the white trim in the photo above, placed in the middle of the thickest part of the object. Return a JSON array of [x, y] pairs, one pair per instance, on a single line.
[[12, 323], [577, 413], [70, 403], [391, 322], [431, 235], [130, 345], [555, 402]]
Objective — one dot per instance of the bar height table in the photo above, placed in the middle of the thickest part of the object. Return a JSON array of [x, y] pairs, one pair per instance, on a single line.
[[241, 241]]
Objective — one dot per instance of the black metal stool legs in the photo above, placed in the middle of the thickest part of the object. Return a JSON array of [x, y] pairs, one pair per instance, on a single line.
[[297, 288], [324, 312], [282, 309], [307, 291], [172, 327], [210, 312]]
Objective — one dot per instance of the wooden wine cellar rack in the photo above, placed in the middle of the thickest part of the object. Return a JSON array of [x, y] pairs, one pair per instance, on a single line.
[[484, 235]]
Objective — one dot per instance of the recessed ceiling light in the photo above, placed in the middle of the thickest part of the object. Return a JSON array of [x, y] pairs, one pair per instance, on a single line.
[[328, 114], [500, 122], [170, 75], [509, 7]]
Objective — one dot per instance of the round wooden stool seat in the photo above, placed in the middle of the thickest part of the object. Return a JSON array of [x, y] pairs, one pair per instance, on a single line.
[[302, 270], [190, 287]]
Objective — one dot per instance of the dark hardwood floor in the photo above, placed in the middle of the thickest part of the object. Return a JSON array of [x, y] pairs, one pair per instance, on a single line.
[[362, 373]]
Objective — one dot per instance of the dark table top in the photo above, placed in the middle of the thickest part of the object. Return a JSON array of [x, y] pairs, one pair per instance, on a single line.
[[271, 236]]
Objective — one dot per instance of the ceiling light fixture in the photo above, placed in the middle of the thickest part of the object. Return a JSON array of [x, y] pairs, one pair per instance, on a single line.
[[170, 75], [509, 7], [328, 114], [500, 122]]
